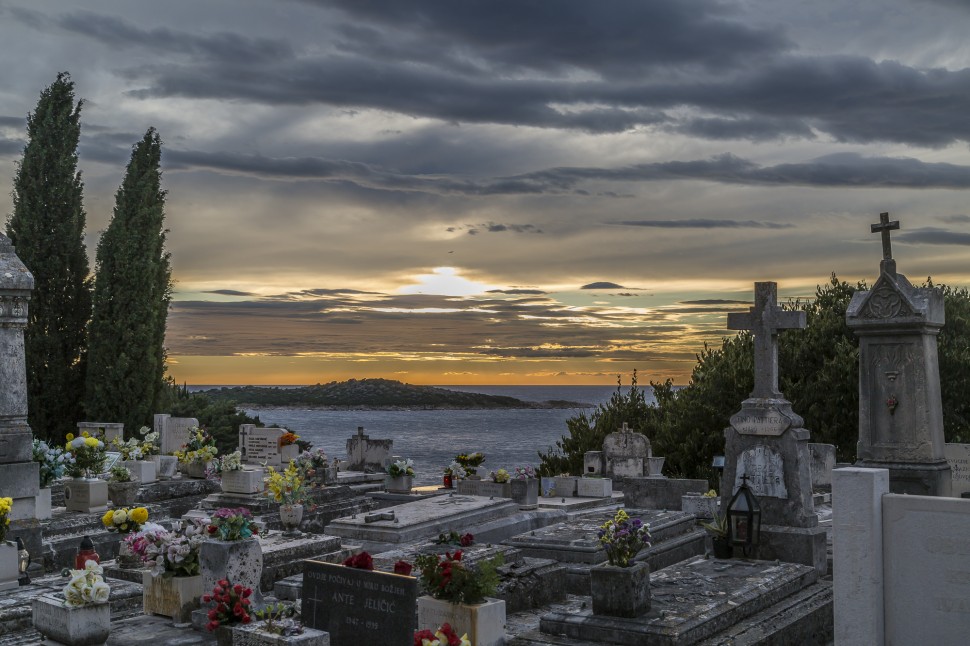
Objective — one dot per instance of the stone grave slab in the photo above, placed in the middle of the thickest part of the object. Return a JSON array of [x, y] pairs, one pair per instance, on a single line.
[[359, 606], [423, 518], [690, 601], [577, 504]]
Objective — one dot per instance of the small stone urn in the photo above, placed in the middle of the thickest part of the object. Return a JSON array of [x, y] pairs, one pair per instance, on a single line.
[[123, 494], [620, 591], [290, 517]]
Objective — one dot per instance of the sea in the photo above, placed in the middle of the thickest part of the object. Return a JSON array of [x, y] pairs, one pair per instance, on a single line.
[[432, 438]]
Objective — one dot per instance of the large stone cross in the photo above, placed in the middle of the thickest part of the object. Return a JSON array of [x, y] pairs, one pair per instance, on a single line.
[[884, 226], [764, 320]]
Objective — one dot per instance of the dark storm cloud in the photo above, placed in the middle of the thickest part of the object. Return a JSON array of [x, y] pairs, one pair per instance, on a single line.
[[931, 235], [11, 146], [700, 223], [493, 227], [602, 285]]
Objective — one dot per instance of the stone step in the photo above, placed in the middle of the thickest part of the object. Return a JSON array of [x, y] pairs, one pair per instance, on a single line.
[[283, 556]]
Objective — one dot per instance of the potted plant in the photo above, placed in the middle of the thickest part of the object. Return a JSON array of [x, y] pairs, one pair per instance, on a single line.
[[525, 487], [165, 465], [195, 455], [80, 615], [53, 462], [174, 584], [9, 570], [400, 476], [470, 463], [287, 488], [122, 489], [133, 457], [125, 521], [317, 467], [621, 586], [230, 604], [84, 492], [232, 550], [459, 593], [445, 635], [718, 529]]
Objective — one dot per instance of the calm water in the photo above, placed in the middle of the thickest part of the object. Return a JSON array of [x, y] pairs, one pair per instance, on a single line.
[[432, 438]]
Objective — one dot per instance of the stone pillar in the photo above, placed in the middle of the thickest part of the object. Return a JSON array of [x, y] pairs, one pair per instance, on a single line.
[[19, 478], [857, 555], [900, 408]]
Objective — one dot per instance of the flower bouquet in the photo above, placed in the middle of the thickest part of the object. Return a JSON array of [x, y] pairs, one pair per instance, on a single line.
[[401, 468], [232, 604], [170, 553], [232, 524], [454, 538], [524, 473], [6, 504], [87, 586], [286, 487], [149, 442], [125, 520], [456, 470], [201, 447], [229, 462], [623, 538], [444, 636], [448, 578], [361, 561], [53, 461], [288, 438], [470, 461], [129, 450], [87, 453], [501, 476]]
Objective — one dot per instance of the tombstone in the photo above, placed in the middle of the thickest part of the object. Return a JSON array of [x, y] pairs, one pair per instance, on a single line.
[[900, 409], [18, 472], [261, 445], [823, 462], [106, 430], [173, 432], [626, 453], [958, 457], [766, 442], [365, 454]]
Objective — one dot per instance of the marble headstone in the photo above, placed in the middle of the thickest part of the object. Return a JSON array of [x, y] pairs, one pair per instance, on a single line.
[[173, 432], [260, 445]]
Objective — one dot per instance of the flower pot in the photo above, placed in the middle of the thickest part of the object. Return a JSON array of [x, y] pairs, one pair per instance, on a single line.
[[165, 466], [399, 484], [252, 635], [9, 565], [86, 495], [722, 548], [44, 507], [243, 481], [195, 469], [525, 492], [126, 559], [620, 591], [238, 561], [290, 516], [141, 470], [173, 596], [484, 622], [87, 625], [123, 494], [287, 453]]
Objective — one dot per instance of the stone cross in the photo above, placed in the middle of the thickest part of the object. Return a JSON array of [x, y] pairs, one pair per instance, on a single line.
[[764, 320], [884, 226], [625, 429]]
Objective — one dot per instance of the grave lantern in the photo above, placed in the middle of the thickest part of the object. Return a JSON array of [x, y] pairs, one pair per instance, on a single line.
[[23, 561], [744, 517]]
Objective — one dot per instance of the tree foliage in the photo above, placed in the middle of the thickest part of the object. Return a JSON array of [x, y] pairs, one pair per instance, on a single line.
[[126, 354], [47, 228]]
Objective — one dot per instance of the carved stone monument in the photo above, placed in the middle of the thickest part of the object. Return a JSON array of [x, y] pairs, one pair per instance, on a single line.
[[766, 442], [900, 410], [19, 477], [366, 454]]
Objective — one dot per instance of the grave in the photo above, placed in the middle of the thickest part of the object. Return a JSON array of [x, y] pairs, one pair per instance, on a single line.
[[900, 409], [173, 432], [105, 430], [823, 462], [958, 457], [262, 446], [367, 455], [766, 443], [625, 454]]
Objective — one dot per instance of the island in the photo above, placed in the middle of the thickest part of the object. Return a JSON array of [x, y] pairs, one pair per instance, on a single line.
[[373, 394]]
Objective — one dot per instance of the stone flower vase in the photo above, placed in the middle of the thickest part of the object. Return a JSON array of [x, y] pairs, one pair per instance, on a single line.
[[238, 561], [484, 622], [173, 596], [87, 625], [123, 494], [291, 516], [620, 591], [399, 484], [165, 466], [195, 469], [126, 559], [87, 495], [525, 491]]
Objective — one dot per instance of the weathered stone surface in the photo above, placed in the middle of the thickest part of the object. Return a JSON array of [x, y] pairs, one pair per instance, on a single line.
[[958, 457], [531, 583], [366, 454], [660, 493], [699, 505], [174, 597], [86, 495], [252, 635], [620, 591], [238, 561], [484, 622], [823, 462], [245, 481], [625, 453], [594, 487], [75, 625], [173, 431]]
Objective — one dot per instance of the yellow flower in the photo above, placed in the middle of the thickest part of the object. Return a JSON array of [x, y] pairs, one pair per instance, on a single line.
[[70, 436], [85, 434], [90, 441], [139, 515], [106, 519]]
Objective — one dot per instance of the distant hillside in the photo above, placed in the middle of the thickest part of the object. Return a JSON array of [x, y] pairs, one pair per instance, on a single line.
[[374, 393]]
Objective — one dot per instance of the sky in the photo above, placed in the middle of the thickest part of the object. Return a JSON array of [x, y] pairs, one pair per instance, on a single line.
[[510, 191]]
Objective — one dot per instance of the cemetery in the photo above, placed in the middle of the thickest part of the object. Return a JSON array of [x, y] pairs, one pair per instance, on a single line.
[[159, 538]]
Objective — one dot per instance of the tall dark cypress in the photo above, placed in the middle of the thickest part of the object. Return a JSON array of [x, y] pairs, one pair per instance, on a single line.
[[47, 228], [132, 291]]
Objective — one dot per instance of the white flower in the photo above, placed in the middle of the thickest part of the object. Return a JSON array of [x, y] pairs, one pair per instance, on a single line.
[[100, 592], [120, 517]]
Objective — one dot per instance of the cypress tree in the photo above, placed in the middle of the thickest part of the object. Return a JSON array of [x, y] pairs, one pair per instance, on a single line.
[[132, 292], [47, 227]]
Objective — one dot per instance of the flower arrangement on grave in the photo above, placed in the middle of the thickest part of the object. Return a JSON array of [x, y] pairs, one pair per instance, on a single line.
[[891, 404], [129, 450], [310, 461], [87, 586], [444, 636], [448, 578], [456, 470], [125, 520], [6, 504], [403, 568], [524, 473], [87, 453], [454, 538], [201, 447], [119, 473], [232, 604], [232, 524], [400, 468], [150, 442], [286, 487], [169, 552], [501, 476], [53, 462], [288, 438], [470, 461], [623, 538], [229, 462], [711, 493], [361, 561], [279, 619]]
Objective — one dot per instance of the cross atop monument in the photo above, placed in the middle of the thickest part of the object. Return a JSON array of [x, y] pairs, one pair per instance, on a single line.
[[884, 226], [625, 428], [764, 320]]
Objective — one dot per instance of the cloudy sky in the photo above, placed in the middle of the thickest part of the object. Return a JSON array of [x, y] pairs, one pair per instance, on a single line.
[[506, 191]]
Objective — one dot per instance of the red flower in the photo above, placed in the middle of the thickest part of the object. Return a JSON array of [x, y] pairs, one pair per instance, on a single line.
[[246, 619], [237, 588], [245, 602], [423, 634], [224, 583], [213, 615], [212, 625], [466, 540], [362, 561], [403, 567], [212, 529], [206, 598], [238, 610], [246, 593]]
